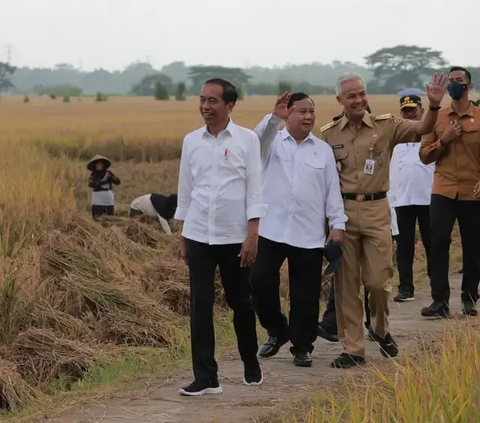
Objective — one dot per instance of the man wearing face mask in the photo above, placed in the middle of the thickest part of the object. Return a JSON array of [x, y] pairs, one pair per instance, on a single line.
[[363, 145], [454, 146], [302, 190]]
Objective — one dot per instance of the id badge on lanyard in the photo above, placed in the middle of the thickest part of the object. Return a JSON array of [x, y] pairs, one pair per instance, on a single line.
[[369, 168]]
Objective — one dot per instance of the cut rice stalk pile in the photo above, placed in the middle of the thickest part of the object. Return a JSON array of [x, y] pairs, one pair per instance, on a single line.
[[15, 392], [42, 356]]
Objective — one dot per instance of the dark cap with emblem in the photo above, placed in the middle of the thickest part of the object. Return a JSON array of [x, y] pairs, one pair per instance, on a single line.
[[333, 254], [410, 101]]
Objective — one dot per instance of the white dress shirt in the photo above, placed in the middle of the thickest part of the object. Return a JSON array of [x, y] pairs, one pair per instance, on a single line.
[[392, 192], [144, 204], [220, 185], [300, 186], [412, 179]]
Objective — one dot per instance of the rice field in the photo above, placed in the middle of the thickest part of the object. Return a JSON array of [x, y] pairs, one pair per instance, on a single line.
[[75, 293]]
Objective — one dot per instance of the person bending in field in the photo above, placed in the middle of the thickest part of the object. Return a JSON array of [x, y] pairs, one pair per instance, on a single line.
[[101, 181], [159, 206]]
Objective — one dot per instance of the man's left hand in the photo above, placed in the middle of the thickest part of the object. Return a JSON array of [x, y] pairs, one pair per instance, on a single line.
[[476, 191], [335, 235], [248, 253], [436, 90]]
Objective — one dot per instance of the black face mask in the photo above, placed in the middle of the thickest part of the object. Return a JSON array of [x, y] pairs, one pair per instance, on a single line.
[[456, 90]]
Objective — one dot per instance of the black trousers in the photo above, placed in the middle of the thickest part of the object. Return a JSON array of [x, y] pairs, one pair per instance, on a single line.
[[98, 211], [304, 274], [329, 319], [202, 262], [407, 217], [443, 213]]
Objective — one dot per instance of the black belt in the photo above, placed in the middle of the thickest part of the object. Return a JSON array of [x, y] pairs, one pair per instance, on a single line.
[[364, 197]]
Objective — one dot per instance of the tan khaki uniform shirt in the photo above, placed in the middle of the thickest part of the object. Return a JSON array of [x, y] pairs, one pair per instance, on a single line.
[[457, 168], [375, 138]]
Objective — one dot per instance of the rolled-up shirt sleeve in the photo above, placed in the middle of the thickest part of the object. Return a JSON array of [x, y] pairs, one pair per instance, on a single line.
[[430, 148], [185, 184], [255, 205], [334, 208]]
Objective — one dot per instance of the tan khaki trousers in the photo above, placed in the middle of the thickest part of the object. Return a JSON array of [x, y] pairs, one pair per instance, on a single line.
[[367, 259]]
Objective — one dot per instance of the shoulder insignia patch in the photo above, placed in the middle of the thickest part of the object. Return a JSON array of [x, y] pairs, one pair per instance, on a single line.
[[329, 125], [383, 117]]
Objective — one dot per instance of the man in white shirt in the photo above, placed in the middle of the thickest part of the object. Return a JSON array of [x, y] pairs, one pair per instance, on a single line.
[[301, 188], [158, 206], [411, 187], [219, 205]]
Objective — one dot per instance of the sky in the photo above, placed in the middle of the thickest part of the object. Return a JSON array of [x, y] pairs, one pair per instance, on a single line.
[[110, 34]]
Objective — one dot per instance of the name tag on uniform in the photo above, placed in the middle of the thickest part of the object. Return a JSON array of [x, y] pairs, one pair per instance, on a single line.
[[369, 167], [337, 146]]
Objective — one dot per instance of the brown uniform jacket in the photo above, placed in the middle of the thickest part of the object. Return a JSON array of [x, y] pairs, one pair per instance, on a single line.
[[457, 168], [351, 145]]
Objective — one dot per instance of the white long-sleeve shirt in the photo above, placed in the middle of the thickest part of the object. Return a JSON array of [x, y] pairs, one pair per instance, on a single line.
[[300, 186], [392, 192], [144, 205], [411, 180], [220, 185]]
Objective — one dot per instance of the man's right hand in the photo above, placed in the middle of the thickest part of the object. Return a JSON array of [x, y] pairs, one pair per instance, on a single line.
[[280, 110], [182, 249], [454, 130]]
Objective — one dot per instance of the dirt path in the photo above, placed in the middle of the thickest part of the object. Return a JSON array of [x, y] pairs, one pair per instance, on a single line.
[[283, 381]]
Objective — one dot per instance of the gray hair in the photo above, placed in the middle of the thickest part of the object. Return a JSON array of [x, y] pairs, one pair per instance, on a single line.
[[346, 77]]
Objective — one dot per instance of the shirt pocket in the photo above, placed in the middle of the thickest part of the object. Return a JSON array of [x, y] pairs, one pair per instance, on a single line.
[[340, 153], [315, 163]]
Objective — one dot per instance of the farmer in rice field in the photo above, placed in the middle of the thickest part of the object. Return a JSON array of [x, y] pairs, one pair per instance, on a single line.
[[454, 146], [302, 190], [158, 206], [220, 205], [363, 145], [101, 181]]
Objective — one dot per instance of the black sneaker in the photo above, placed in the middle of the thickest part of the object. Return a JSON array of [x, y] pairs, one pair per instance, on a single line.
[[388, 346], [198, 388], [253, 375], [346, 361], [469, 309], [436, 309], [403, 296], [325, 334]]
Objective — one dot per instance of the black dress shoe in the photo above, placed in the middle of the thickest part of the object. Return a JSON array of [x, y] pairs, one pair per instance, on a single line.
[[436, 309], [272, 346], [346, 361], [469, 309], [323, 333], [302, 359]]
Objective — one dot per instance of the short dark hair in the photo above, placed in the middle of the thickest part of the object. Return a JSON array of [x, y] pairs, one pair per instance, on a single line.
[[462, 69], [297, 97], [230, 93]]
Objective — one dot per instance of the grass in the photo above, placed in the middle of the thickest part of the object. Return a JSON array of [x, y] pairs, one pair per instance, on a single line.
[[90, 305], [439, 382]]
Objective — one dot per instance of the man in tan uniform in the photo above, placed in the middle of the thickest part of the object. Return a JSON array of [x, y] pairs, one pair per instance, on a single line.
[[363, 145]]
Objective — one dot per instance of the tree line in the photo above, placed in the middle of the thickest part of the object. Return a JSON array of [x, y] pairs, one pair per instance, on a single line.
[[386, 71]]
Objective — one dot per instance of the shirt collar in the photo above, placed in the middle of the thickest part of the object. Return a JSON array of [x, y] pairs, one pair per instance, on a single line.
[[285, 135], [367, 120], [230, 129], [470, 111]]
